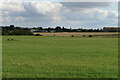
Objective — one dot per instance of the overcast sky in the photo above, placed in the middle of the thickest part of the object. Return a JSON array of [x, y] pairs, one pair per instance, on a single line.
[[67, 14]]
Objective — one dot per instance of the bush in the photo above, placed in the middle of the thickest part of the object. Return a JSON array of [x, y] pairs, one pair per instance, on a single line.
[[84, 36], [72, 35], [38, 35], [90, 36]]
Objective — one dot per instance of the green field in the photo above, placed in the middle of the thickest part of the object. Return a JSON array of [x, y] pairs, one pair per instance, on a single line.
[[59, 57]]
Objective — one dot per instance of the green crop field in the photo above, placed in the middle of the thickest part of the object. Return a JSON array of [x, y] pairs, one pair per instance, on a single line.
[[59, 57]]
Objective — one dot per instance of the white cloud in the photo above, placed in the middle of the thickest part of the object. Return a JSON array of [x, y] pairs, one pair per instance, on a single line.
[[100, 14], [44, 8], [92, 16], [12, 6], [9, 19], [57, 19], [36, 12], [19, 18], [15, 11]]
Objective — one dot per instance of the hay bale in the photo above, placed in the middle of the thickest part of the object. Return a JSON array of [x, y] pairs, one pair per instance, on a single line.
[[84, 36], [90, 35], [8, 39], [72, 35]]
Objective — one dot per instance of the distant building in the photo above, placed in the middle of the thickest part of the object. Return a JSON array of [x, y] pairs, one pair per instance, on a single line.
[[42, 31], [33, 30], [111, 29], [52, 31]]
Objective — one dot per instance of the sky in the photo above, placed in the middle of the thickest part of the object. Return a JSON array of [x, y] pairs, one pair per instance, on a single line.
[[52, 14]]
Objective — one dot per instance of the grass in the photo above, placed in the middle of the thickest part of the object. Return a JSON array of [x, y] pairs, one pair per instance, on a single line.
[[60, 57]]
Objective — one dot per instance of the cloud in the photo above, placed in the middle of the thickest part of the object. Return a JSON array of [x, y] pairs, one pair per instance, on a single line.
[[11, 6], [49, 13], [43, 8], [93, 16], [79, 5], [42, 11]]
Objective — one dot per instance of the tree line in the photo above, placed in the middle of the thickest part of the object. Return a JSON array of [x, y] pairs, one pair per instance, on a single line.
[[63, 29], [12, 30]]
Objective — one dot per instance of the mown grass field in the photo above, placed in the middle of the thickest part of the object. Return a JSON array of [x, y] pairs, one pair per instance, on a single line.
[[59, 57]]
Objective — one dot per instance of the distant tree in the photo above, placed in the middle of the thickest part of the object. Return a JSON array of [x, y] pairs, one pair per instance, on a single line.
[[11, 30], [34, 28], [63, 29], [49, 29], [40, 28], [12, 27], [58, 29]]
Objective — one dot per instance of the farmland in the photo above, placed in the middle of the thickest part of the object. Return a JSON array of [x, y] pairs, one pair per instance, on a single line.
[[76, 34], [59, 57]]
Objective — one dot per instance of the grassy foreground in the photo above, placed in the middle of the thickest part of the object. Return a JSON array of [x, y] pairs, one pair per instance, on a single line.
[[59, 57]]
